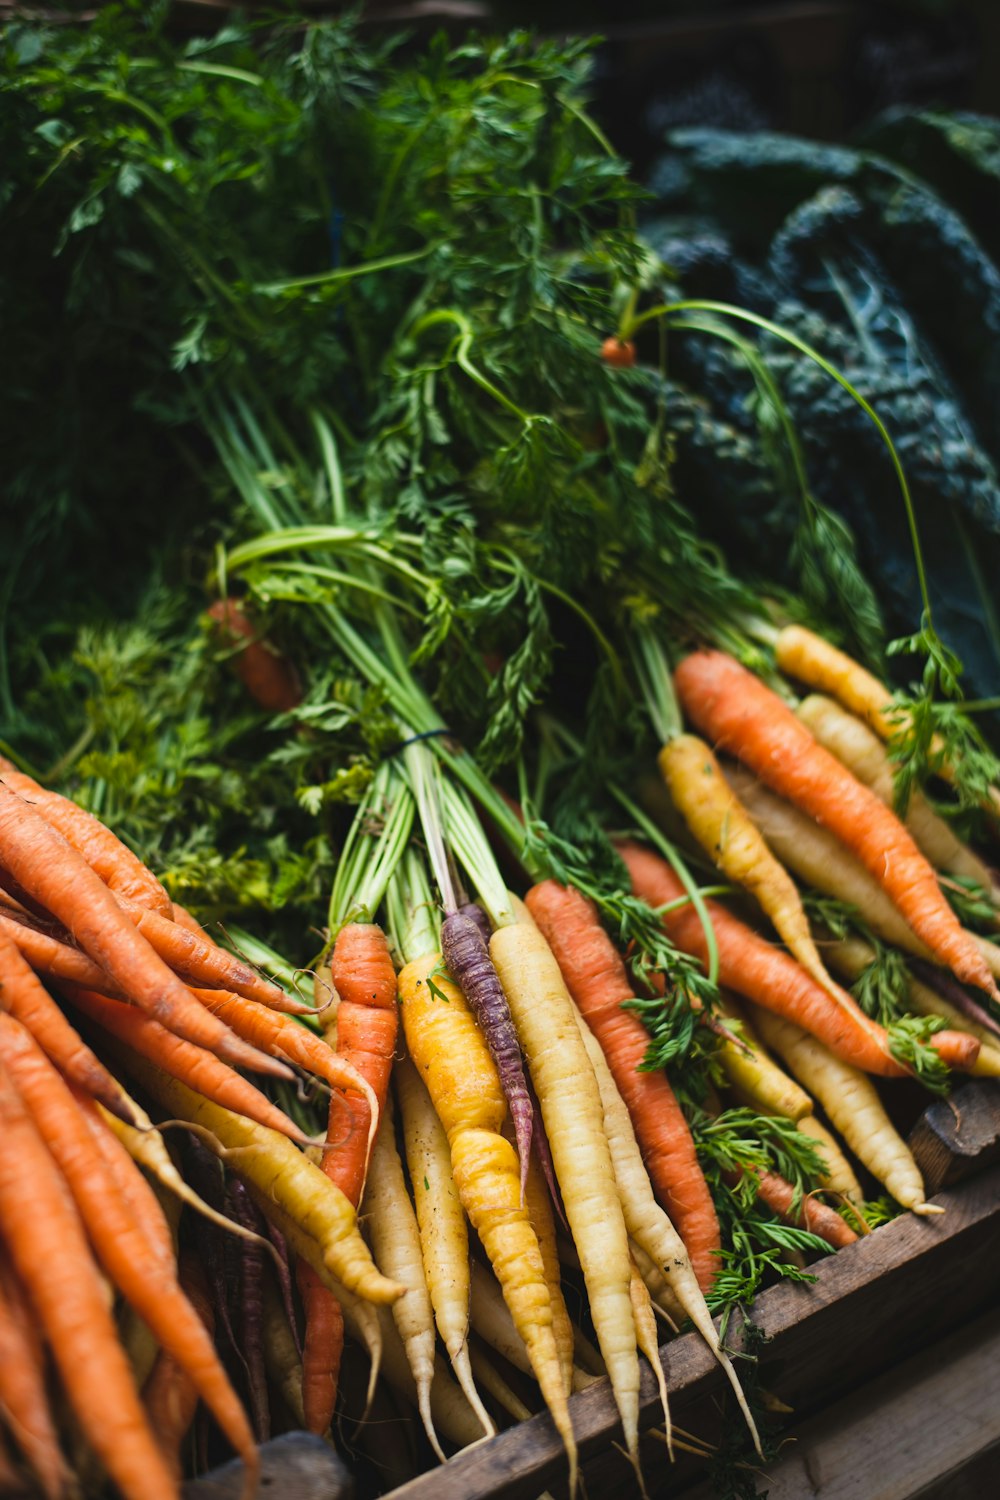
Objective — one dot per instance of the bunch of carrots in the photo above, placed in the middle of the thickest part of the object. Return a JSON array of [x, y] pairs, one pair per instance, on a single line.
[[485, 1063]]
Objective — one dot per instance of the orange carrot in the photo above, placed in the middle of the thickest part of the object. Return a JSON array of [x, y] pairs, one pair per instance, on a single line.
[[120, 1239], [270, 679], [741, 715], [367, 1022], [51, 1256], [762, 972], [50, 955], [170, 1396], [133, 1186], [198, 960], [23, 1399], [24, 997], [61, 880], [199, 1069], [597, 980], [779, 1196], [121, 870], [279, 1036]]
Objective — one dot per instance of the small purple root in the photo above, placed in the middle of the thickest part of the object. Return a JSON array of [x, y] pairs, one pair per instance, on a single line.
[[245, 1212], [468, 961], [284, 1274], [950, 989], [205, 1176]]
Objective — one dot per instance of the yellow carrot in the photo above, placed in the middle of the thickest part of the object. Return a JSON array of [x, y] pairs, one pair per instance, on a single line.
[[853, 1107], [539, 1203], [444, 1239], [451, 1056], [728, 834], [646, 1222], [649, 1345], [838, 1174], [395, 1241], [282, 1173], [751, 1073], [861, 751], [810, 659], [570, 1101]]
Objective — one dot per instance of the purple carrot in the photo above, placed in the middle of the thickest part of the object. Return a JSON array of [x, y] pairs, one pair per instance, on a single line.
[[950, 989], [205, 1175], [252, 1308], [540, 1141], [469, 964], [283, 1270], [475, 913]]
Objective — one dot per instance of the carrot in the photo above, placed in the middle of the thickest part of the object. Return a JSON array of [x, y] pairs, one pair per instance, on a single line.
[[851, 956], [322, 1349], [570, 1101], [269, 1163], [648, 1342], [23, 996], [24, 1403], [395, 1241], [538, 1198], [444, 1239], [50, 955], [824, 862], [452, 1057], [279, 1036], [53, 1262], [864, 754], [281, 1357], [725, 830], [853, 1108], [132, 1259], [596, 978], [467, 959], [170, 1396], [133, 1187], [752, 1075], [453, 1417], [121, 870], [838, 1174], [648, 1226], [58, 877], [367, 1023], [742, 715], [250, 1305], [810, 1214], [202, 1070], [810, 659], [270, 679], [761, 972], [198, 960]]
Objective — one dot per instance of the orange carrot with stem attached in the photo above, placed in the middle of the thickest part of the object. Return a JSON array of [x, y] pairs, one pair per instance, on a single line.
[[367, 1023], [755, 968], [52, 1259], [740, 714], [121, 870], [596, 978], [23, 996], [58, 877]]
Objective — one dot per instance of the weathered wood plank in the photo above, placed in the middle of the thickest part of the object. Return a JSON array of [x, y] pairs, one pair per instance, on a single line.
[[870, 1306], [914, 1431], [957, 1137]]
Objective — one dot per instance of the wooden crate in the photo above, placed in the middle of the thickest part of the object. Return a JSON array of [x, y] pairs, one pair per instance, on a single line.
[[872, 1306]]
